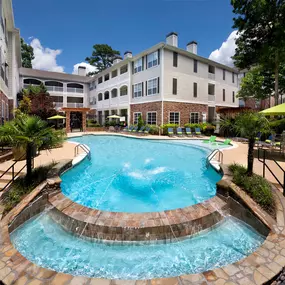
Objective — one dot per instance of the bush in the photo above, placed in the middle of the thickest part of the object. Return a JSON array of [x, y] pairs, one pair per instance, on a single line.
[[154, 130], [166, 126], [256, 186], [92, 124], [140, 122], [278, 126], [206, 128], [19, 189]]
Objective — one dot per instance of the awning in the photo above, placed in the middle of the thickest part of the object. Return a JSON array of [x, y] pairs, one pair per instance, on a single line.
[[276, 110], [56, 117]]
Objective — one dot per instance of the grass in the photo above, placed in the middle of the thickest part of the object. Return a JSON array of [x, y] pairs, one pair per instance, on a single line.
[[19, 189], [256, 186]]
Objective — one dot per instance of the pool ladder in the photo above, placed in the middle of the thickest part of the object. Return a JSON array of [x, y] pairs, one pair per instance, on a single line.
[[212, 155], [84, 147]]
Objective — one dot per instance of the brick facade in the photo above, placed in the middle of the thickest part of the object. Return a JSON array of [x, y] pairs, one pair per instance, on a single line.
[[4, 102], [185, 109], [144, 108]]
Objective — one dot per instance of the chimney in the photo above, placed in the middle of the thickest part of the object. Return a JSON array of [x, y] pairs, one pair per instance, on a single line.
[[117, 60], [172, 39], [82, 70], [128, 54], [192, 47]]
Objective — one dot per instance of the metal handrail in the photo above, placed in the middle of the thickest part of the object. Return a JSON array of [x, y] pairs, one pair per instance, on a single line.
[[82, 146], [266, 166], [213, 154]]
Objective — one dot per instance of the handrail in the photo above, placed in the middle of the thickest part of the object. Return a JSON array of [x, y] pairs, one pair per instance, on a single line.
[[82, 146], [12, 166], [213, 154], [266, 166]]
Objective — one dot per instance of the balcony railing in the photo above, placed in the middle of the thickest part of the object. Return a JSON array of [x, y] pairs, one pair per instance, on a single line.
[[75, 105], [54, 88], [27, 85], [75, 90], [211, 98], [211, 76]]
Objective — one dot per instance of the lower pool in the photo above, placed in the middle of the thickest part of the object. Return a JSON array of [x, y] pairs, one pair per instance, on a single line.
[[45, 243]]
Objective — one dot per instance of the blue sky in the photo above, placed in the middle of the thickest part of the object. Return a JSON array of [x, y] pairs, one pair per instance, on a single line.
[[69, 28]]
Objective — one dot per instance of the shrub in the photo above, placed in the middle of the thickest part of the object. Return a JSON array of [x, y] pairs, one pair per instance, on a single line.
[[166, 126], [206, 128], [278, 126], [256, 186], [140, 122], [154, 130]]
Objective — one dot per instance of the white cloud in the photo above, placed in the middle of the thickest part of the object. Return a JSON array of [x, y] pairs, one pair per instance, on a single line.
[[226, 51], [89, 67], [45, 58]]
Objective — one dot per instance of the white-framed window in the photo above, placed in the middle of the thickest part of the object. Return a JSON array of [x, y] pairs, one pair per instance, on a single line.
[[152, 59], [174, 118], [152, 86], [7, 112], [194, 118], [138, 65], [136, 117], [3, 109], [151, 118], [138, 90]]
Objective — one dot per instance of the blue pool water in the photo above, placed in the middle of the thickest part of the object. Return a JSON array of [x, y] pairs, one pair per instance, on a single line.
[[45, 243], [135, 175]]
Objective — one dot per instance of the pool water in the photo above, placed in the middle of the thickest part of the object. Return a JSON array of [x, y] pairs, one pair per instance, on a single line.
[[135, 175], [45, 243]]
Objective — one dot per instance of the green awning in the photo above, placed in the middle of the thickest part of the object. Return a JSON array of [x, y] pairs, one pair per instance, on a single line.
[[56, 117], [276, 110]]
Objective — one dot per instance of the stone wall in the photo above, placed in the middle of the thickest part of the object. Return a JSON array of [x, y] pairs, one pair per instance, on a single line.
[[95, 129]]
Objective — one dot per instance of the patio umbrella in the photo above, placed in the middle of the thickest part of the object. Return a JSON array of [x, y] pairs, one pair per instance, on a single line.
[[276, 110], [56, 117], [114, 117]]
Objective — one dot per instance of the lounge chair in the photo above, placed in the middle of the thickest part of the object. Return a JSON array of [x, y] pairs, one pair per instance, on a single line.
[[141, 130], [130, 129], [211, 140], [147, 129], [126, 129], [179, 132], [188, 132], [270, 139], [198, 132], [135, 129], [226, 142], [170, 132]]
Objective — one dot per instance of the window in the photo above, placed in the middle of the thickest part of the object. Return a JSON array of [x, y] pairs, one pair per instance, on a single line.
[[174, 118], [211, 89], [175, 59], [124, 69], [100, 80], [114, 73], [195, 65], [136, 117], [100, 97], [107, 77], [194, 118], [106, 95], [211, 69], [114, 93], [224, 95], [151, 118], [152, 59], [7, 112], [195, 89], [234, 96], [224, 74], [174, 86], [233, 77], [152, 86], [124, 90], [137, 90], [138, 65]]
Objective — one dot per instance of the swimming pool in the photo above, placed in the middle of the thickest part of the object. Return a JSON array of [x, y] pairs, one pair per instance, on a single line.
[[138, 175], [46, 244]]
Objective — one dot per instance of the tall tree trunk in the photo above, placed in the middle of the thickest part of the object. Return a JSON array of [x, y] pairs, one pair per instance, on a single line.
[[276, 78], [29, 157], [250, 158]]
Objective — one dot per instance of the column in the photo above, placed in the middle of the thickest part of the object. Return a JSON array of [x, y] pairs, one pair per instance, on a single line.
[[84, 121], [67, 115]]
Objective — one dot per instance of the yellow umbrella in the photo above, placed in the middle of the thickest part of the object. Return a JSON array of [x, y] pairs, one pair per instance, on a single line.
[[56, 117], [276, 110]]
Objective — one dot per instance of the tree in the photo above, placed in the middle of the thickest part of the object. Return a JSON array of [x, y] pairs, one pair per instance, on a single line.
[[140, 122], [248, 125], [102, 57], [27, 53], [37, 101], [30, 132], [261, 40]]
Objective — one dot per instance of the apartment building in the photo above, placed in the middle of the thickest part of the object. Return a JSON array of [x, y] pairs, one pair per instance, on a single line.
[[10, 60]]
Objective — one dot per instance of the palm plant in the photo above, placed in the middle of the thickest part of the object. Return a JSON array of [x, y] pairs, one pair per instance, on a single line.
[[248, 125], [30, 132]]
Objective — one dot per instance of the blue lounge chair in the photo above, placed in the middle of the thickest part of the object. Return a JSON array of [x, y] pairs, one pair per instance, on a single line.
[[141, 130], [198, 132], [147, 130], [170, 132], [188, 132], [135, 129], [179, 132], [126, 129], [130, 128]]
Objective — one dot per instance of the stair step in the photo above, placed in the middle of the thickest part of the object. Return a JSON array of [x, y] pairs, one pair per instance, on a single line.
[[10, 172]]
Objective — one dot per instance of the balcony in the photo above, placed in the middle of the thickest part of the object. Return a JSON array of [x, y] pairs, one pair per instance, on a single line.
[[75, 105], [58, 105], [211, 98], [211, 76], [75, 90], [54, 89], [6, 81]]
